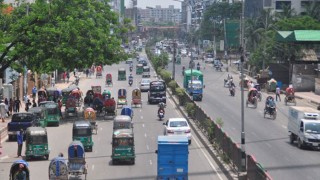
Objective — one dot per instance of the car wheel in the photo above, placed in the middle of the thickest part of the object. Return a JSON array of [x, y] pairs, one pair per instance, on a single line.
[[292, 138]]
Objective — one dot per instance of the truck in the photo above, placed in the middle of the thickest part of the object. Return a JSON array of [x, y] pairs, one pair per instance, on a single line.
[[304, 126], [157, 92], [196, 89], [172, 157], [21, 121]]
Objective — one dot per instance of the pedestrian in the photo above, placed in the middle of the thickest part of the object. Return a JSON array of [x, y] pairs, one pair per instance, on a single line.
[[3, 111], [278, 91], [74, 72], [11, 106], [87, 72], [68, 76], [17, 104], [20, 142], [28, 104], [34, 92], [64, 76], [34, 104], [60, 107], [6, 102]]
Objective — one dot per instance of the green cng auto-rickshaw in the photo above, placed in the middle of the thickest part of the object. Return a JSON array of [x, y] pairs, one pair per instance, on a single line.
[[82, 132], [122, 122], [65, 94], [139, 69], [41, 114], [53, 113], [36, 143], [123, 146], [122, 74]]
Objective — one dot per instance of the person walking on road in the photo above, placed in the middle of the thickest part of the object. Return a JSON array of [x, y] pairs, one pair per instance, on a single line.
[[278, 93], [17, 104], [28, 104], [64, 76], [3, 111], [34, 104], [34, 92], [11, 106], [20, 142], [60, 107], [68, 77]]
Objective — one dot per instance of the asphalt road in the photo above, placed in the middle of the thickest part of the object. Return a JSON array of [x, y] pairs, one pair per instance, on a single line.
[[146, 129], [266, 139]]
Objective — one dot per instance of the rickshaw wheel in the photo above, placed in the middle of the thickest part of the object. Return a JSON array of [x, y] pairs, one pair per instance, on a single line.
[[274, 115], [47, 156], [264, 114]]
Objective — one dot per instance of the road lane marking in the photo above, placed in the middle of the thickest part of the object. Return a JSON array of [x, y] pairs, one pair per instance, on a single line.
[[284, 127], [150, 162], [145, 135], [147, 147], [268, 145], [92, 168], [141, 117], [205, 155], [142, 125]]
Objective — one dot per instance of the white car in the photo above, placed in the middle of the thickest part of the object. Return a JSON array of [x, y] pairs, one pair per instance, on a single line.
[[145, 84], [184, 52], [177, 126]]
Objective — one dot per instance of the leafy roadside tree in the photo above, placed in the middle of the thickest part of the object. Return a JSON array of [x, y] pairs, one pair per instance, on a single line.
[[61, 35]]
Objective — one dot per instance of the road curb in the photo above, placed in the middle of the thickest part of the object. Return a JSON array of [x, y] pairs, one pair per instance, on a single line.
[[203, 139], [3, 134]]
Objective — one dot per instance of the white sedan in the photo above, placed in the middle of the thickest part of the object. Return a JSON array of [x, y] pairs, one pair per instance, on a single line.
[[145, 84], [177, 126]]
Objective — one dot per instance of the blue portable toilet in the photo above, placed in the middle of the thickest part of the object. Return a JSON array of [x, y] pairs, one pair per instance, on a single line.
[[172, 157]]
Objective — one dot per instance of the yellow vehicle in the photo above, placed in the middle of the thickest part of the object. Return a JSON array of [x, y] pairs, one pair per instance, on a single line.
[[90, 115]]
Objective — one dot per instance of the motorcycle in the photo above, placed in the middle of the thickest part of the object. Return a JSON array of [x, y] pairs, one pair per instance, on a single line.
[[198, 67], [130, 82], [218, 68], [161, 114], [130, 68], [272, 111], [232, 91], [259, 96]]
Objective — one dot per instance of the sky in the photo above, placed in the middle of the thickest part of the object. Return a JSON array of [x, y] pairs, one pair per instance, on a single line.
[[152, 3]]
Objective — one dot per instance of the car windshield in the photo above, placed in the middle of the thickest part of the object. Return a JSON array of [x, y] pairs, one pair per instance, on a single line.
[[22, 117], [82, 132], [123, 142], [178, 124], [157, 87], [313, 128], [122, 125], [38, 140], [145, 81], [53, 110]]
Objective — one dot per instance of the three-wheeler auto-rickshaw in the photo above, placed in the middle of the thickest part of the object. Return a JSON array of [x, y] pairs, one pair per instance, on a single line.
[[53, 94], [15, 168], [42, 95], [122, 74], [41, 114], [53, 113], [36, 143], [139, 69], [82, 132], [65, 94], [122, 122], [122, 98], [123, 146]]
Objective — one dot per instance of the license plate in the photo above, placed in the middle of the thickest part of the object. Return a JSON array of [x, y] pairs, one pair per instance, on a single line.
[[178, 132]]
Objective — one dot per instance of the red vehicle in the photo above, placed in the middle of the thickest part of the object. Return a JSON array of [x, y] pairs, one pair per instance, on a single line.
[[99, 72], [110, 107], [109, 80], [77, 95]]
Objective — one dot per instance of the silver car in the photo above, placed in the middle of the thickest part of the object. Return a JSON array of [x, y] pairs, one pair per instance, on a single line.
[[145, 84]]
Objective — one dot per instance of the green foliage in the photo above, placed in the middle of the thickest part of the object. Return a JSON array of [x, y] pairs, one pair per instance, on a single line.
[[165, 75], [180, 91], [62, 34], [173, 85], [219, 122], [190, 108]]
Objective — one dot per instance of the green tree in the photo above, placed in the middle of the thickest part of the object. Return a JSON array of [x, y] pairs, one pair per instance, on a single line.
[[62, 34]]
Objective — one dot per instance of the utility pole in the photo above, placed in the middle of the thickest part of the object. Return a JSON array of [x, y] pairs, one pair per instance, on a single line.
[[242, 50], [174, 60]]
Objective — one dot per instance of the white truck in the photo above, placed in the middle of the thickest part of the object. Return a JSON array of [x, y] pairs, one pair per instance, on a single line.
[[304, 126]]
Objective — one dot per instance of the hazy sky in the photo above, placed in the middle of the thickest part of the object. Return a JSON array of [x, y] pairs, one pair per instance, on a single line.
[[153, 3]]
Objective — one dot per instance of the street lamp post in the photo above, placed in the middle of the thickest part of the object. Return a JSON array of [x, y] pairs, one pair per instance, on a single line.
[[174, 60]]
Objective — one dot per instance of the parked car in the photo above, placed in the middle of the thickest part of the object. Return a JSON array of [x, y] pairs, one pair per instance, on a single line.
[[177, 126], [145, 84], [184, 52], [194, 56]]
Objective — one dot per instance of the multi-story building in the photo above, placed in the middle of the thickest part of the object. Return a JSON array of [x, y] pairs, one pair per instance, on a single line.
[[253, 8], [159, 14]]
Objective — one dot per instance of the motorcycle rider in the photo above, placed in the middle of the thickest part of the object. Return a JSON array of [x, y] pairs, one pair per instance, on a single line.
[[269, 104], [161, 108], [232, 88], [198, 66], [131, 67], [130, 79]]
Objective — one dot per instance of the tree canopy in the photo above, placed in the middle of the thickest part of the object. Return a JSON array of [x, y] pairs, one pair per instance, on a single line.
[[61, 35]]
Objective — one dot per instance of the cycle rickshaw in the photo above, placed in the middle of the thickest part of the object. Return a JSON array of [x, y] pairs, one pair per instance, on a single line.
[[122, 97], [136, 98], [109, 80], [90, 115]]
